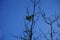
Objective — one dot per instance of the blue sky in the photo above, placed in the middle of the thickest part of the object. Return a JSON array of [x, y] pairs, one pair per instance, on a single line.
[[12, 15]]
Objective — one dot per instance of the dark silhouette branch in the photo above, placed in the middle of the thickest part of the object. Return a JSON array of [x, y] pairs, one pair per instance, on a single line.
[[28, 32], [49, 22], [44, 34], [58, 24]]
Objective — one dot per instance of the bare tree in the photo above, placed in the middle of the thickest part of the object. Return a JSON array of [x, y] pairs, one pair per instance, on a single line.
[[29, 28], [49, 21], [30, 21]]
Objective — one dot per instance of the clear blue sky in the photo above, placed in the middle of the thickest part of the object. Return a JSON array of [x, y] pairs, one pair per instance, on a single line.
[[12, 15]]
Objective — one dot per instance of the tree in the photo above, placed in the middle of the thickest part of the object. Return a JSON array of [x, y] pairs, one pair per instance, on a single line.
[[30, 22], [50, 21], [29, 28]]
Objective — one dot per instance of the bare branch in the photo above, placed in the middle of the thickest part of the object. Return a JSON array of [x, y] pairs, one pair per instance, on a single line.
[[56, 18], [32, 1], [54, 33], [44, 34], [37, 2], [16, 37], [58, 24], [27, 10]]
